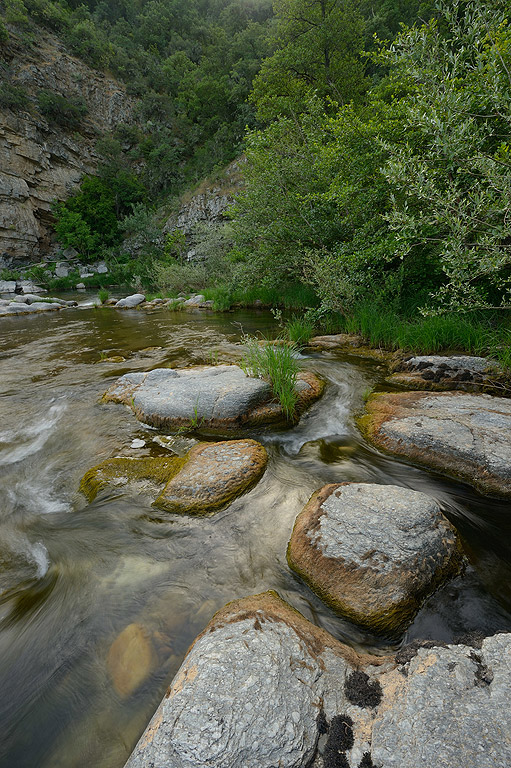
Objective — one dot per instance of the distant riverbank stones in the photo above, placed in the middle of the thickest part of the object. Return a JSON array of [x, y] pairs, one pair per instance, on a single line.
[[255, 691], [208, 478], [441, 372], [468, 436], [373, 552], [215, 399]]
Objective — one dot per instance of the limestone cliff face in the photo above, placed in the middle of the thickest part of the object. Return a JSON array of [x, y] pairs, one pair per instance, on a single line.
[[40, 162]]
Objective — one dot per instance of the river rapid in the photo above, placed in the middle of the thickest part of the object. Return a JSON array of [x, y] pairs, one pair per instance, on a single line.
[[74, 575]]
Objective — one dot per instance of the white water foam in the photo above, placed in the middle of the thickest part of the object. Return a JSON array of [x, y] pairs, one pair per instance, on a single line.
[[31, 438]]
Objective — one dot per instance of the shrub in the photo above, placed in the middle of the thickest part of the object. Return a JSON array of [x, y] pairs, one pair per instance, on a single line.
[[12, 96], [67, 113]]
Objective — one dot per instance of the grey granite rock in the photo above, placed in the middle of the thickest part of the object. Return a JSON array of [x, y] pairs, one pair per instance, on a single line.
[[451, 710], [219, 398], [249, 693], [437, 372], [466, 435], [7, 286], [194, 301], [131, 301], [373, 552]]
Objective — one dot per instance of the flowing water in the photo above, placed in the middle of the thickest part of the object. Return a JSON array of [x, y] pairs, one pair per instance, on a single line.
[[74, 575]]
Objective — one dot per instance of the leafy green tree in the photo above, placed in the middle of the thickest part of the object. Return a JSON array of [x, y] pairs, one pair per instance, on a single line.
[[318, 43]]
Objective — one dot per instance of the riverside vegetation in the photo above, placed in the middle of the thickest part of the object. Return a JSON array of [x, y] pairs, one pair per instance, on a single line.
[[377, 174]]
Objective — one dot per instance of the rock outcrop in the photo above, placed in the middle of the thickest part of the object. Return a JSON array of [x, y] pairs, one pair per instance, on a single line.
[[39, 162], [468, 436], [263, 687], [373, 552], [220, 399]]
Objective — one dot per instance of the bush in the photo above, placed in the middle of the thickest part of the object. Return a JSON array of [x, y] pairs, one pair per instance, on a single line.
[[13, 97], [67, 113]]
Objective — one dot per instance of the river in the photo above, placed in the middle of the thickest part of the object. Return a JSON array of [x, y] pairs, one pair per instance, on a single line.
[[74, 575]]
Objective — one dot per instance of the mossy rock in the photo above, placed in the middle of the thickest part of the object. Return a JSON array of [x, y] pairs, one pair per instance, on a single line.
[[147, 472]]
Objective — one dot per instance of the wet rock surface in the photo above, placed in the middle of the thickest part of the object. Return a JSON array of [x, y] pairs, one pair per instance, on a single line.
[[250, 692], [263, 687], [468, 436], [207, 398], [131, 659], [130, 301], [213, 475], [436, 372], [373, 552]]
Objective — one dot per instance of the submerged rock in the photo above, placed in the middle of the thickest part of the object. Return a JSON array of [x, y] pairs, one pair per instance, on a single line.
[[131, 659], [373, 552], [147, 473], [214, 475], [250, 692], [468, 436], [207, 398], [437, 372], [130, 301]]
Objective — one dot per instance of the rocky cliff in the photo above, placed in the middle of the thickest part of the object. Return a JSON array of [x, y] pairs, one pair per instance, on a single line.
[[39, 162]]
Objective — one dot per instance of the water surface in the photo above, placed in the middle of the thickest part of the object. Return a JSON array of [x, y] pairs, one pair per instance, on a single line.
[[74, 575]]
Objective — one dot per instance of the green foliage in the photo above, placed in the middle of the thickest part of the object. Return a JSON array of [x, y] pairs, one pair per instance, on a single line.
[[103, 295], [4, 34], [13, 96], [16, 13], [299, 329], [275, 363], [65, 112]]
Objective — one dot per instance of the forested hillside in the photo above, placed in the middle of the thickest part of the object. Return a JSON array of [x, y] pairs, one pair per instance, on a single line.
[[377, 137]]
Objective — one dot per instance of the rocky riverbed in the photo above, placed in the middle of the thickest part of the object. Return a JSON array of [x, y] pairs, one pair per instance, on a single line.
[[395, 657]]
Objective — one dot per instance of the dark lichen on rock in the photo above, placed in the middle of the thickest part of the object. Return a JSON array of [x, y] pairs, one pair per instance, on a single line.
[[362, 691]]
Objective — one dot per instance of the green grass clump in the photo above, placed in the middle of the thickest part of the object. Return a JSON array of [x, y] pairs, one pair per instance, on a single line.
[[275, 364], [103, 295], [299, 329]]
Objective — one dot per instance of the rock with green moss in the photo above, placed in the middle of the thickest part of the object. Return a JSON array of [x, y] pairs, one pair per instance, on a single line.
[[213, 475], [146, 474], [208, 478], [373, 552]]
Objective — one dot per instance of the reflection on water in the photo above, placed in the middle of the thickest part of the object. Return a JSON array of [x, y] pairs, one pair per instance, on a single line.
[[75, 578]]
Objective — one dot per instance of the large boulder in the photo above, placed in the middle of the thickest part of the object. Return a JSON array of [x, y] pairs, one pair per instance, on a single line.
[[448, 707], [262, 687], [468, 436], [130, 301], [441, 372], [214, 475], [251, 693], [219, 399], [373, 552]]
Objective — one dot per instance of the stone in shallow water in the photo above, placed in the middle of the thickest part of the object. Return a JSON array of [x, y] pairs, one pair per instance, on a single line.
[[468, 436], [213, 476], [131, 659], [130, 301], [373, 552], [440, 372], [249, 692], [216, 398], [146, 473]]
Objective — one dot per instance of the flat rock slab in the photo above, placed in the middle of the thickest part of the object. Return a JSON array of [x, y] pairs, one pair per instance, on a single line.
[[213, 475], [350, 344], [207, 478], [373, 552], [468, 436], [437, 372], [206, 398], [249, 692], [451, 709], [20, 308]]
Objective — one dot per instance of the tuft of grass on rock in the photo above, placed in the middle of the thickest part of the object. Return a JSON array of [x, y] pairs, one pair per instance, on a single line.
[[275, 364]]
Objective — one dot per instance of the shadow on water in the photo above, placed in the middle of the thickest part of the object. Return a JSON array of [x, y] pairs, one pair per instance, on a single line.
[[75, 578]]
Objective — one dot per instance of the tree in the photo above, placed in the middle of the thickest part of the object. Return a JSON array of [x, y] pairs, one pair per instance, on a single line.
[[317, 51]]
